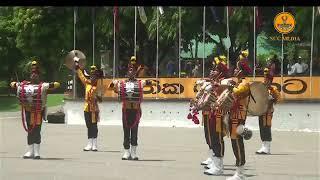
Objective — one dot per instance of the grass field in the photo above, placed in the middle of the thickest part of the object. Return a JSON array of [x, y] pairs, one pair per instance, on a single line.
[[11, 104]]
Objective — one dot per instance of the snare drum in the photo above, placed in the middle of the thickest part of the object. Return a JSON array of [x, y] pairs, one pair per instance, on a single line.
[[225, 100], [206, 100]]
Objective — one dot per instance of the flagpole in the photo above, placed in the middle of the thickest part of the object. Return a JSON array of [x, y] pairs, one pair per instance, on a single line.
[[157, 54], [228, 61], [311, 59], [93, 33], [114, 44], [74, 47], [254, 42], [204, 38], [179, 50], [282, 60], [135, 31]]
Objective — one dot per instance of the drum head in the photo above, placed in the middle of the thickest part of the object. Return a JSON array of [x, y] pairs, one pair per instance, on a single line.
[[258, 104]]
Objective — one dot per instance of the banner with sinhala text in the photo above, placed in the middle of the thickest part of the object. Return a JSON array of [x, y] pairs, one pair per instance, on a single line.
[[294, 88]]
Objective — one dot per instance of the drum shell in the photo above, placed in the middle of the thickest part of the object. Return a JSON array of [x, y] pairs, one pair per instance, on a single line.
[[225, 100], [206, 100], [259, 99], [130, 91], [30, 95]]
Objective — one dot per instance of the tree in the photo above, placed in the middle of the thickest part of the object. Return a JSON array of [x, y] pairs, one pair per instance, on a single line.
[[10, 55]]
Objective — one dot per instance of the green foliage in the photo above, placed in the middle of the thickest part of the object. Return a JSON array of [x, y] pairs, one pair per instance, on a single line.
[[46, 33], [11, 103]]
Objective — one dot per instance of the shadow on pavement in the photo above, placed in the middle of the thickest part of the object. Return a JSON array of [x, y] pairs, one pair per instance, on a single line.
[[279, 154], [233, 169], [153, 160], [55, 159], [227, 175], [109, 151]]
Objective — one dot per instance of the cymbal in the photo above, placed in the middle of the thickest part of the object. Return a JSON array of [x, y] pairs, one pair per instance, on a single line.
[[69, 62]]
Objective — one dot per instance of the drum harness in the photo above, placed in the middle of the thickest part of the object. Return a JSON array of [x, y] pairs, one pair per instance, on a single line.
[[37, 107]]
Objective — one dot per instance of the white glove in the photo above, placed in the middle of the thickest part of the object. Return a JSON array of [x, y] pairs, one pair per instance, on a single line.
[[76, 59], [270, 98], [200, 82], [245, 132], [208, 88]]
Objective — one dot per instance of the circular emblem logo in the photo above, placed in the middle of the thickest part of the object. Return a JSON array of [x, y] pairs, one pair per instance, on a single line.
[[284, 22]]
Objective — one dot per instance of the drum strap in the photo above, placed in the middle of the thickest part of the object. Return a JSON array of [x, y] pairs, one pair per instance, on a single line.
[[37, 110], [252, 97]]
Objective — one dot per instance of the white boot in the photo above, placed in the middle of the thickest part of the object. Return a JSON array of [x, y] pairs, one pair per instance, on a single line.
[[94, 144], [89, 145], [239, 175], [209, 159], [217, 168], [268, 147], [36, 151], [265, 149], [30, 152], [126, 154], [134, 153], [211, 165]]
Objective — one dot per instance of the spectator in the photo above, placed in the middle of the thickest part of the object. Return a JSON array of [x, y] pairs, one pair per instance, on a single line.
[[122, 69], [297, 68], [170, 68], [189, 69], [274, 65], [196, 71], [289, 68], [304, 67]]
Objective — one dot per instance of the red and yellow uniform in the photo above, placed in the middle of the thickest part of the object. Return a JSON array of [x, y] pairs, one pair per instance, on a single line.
[[238, 113], [239, 109], [33, 96], [90, 101], [91, 109], [131, 110], [217, 126], [265, 121]]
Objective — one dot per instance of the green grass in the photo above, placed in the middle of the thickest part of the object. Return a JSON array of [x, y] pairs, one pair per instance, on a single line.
[[11, 104]]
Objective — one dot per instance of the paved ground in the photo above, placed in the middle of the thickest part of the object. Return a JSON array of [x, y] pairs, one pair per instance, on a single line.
[[165, 153]]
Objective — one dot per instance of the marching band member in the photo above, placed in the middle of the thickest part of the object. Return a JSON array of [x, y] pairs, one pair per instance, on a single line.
[[130, 92], [217, 125], [265, 120], [91, 108], [206, 117], [33, 96], [238, 113]]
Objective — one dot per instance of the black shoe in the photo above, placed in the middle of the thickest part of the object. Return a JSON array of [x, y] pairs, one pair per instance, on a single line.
[[135, 159], [129, 158], [261, 153], [27, 157]]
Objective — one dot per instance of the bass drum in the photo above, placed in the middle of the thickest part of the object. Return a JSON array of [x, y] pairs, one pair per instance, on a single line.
[[258, 103]]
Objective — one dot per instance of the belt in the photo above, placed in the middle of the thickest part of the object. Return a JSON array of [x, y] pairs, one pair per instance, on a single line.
[[205, 112], [132, 105]]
